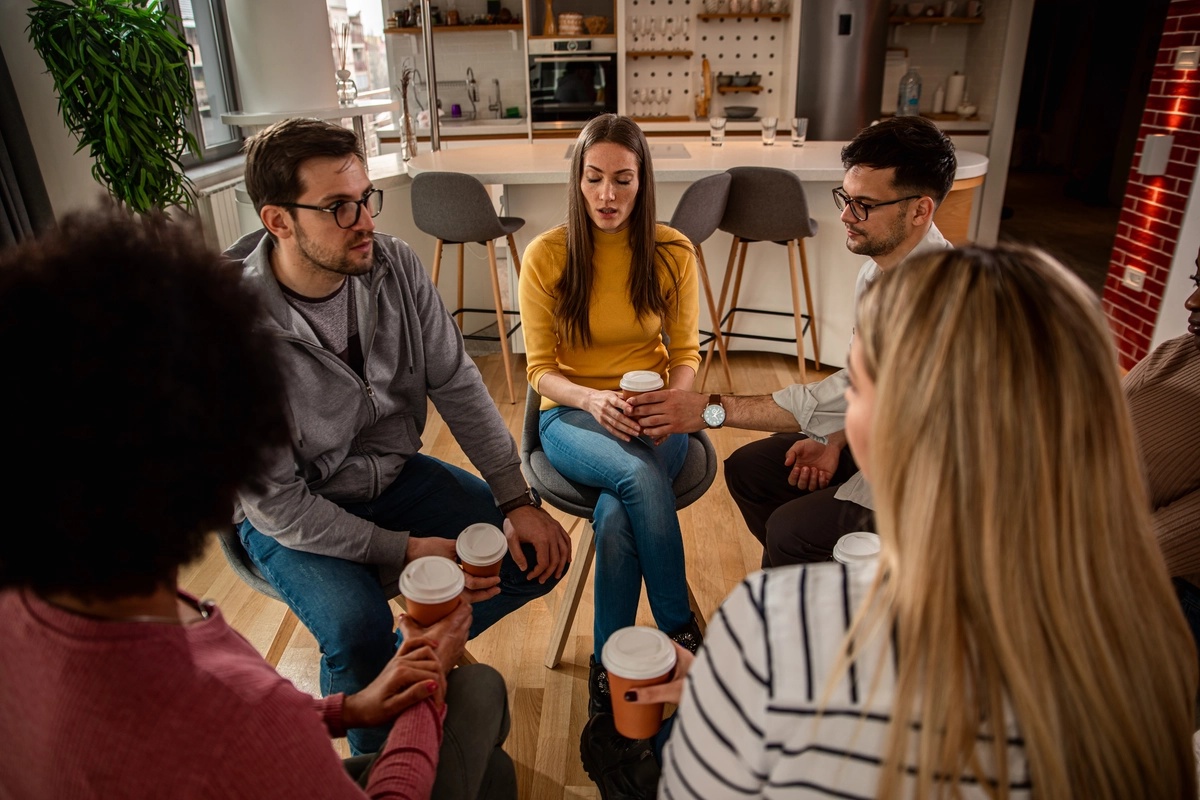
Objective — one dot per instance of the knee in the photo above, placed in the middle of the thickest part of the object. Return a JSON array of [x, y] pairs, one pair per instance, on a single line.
[[739, 467], [362, 640]]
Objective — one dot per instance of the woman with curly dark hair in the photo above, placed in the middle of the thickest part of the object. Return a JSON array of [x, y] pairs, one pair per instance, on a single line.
[[140, 398]]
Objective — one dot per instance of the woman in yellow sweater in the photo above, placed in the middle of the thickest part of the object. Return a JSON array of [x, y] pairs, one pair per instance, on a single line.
[[609, 292]]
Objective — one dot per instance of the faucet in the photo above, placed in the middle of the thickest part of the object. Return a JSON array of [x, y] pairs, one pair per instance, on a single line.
[[497, 106], [472, 86]]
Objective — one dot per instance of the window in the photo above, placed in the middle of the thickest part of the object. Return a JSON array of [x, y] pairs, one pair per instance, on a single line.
[[206, 30]]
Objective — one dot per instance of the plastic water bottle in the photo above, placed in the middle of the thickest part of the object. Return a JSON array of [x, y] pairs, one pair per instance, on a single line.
[[909, 102]]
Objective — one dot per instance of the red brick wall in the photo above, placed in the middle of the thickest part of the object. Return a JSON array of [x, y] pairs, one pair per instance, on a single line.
[[1152, 212]]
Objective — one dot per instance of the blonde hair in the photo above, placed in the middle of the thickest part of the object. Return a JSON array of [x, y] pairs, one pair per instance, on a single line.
[[1018, 567]]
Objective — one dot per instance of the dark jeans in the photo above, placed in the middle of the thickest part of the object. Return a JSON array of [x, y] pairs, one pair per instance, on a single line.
[[1189, 600], [472, 764], [794, 526], [344, 604]]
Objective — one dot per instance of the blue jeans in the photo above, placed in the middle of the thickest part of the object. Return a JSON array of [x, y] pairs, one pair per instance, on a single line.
[[637, 528], [343, 603]]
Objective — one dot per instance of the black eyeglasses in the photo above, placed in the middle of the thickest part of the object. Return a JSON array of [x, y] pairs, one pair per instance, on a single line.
[[858, 208], [346, 212]]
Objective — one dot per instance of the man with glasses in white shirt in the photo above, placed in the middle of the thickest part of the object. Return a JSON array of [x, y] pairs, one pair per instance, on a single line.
[[366, 343], [800, 490]]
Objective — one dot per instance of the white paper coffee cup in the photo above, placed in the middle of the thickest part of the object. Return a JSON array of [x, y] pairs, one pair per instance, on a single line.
[[481, 548], [640, 380], [856, 547], [431, 586]]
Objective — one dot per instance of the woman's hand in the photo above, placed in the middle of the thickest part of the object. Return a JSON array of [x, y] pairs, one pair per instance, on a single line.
[[611, 411], [672, 690], [448, 635], [411, 675]]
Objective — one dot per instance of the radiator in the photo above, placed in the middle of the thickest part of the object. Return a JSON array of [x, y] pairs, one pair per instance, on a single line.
[[219, 215]]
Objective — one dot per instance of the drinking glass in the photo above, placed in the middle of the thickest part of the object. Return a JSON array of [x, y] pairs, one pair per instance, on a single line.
[[799, 131], [769, 126], [716, 131]]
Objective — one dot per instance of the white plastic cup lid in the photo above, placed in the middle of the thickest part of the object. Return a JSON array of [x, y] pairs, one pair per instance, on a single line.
[[857, 546], [481, 544], [641, 380], [638, 652], [431, 580]]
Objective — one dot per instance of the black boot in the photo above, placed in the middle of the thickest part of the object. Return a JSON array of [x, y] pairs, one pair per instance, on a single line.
[[599, 697], [624, 769], [689, 636]]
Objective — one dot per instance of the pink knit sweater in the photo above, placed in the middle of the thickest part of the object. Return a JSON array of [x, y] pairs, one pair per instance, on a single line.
[[95, 709]]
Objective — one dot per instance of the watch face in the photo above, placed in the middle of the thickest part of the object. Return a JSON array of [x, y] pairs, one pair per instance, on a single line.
[[714, 416]]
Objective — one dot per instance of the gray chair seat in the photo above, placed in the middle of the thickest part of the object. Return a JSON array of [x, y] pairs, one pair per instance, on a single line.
[[698, 472]]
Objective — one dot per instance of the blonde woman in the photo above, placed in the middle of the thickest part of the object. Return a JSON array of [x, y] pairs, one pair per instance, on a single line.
[[1018, 636]]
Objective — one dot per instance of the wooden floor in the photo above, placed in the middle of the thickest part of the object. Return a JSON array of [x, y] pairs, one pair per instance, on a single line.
[[549, 707]]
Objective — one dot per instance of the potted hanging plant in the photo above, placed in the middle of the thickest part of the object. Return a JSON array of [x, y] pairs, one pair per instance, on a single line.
[[124, 87]]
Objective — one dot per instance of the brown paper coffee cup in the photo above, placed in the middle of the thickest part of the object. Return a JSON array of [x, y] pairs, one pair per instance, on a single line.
[[639, 381], [481, 548], [634, 657], [430, 586]]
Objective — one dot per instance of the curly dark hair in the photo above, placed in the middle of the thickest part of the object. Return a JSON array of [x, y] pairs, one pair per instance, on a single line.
[[140, 398], [922, 155]]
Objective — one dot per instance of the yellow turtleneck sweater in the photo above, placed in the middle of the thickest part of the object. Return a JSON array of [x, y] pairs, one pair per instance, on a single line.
[[620, 341]]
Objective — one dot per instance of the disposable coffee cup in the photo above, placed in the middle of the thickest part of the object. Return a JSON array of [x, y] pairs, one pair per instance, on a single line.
[[854, 548], [637, 656], [639, 381], [431, 586], [481, 548]]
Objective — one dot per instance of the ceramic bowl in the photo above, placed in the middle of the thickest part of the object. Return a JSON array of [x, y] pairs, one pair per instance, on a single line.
[[966, 110], [724, 80], [741, 80], [740, 112], [754, 79]]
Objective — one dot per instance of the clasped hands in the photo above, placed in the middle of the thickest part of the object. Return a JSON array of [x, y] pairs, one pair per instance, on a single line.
[[656, 414], [417, 671]]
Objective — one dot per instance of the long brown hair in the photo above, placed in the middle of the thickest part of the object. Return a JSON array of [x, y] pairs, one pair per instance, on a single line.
[[1019, 570], [646, 291]]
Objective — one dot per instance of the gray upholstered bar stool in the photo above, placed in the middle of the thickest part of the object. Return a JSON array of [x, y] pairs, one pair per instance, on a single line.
[[455, 209], [697, 216], [767, 204]]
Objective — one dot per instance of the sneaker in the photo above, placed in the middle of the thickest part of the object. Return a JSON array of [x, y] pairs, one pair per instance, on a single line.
[[689, 636], [623, 769], [599, 696]]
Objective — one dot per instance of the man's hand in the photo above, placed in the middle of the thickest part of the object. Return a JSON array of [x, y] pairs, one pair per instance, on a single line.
[[672, 690], [411, 675], [527, 524], [813, 463], [447, 636], [477, 589], [669, 411]]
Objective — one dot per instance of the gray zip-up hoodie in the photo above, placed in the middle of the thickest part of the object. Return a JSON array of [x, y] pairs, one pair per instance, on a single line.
[[351, 437]]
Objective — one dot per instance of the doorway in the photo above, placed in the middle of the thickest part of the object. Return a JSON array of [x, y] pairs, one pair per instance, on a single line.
[[1083, 91]]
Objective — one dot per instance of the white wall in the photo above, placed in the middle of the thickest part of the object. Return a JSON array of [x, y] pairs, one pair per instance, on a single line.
[[67, 174]]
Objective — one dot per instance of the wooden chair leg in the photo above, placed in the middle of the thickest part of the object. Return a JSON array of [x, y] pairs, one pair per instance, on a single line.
[[733, 248], [437, 261], [737, 290], [512, 254], [796, 318], [716, 320], [501, 323], [581, 567], [812, 311], [462, 249]]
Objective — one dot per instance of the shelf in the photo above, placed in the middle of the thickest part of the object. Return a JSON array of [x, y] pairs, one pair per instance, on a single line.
[[778, 15], [736, 89], [655, 53], [579, 36], [459, 28], [677, 118], [935, 20]]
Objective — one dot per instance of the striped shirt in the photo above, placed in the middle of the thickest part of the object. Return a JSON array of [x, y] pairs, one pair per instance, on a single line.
[[747, 725]]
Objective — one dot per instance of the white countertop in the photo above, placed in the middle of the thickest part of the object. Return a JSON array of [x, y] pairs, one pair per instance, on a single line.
[[355, 109], [546, 162]]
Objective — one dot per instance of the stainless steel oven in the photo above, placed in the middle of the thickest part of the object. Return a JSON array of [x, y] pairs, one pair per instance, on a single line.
[[571, 81]]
